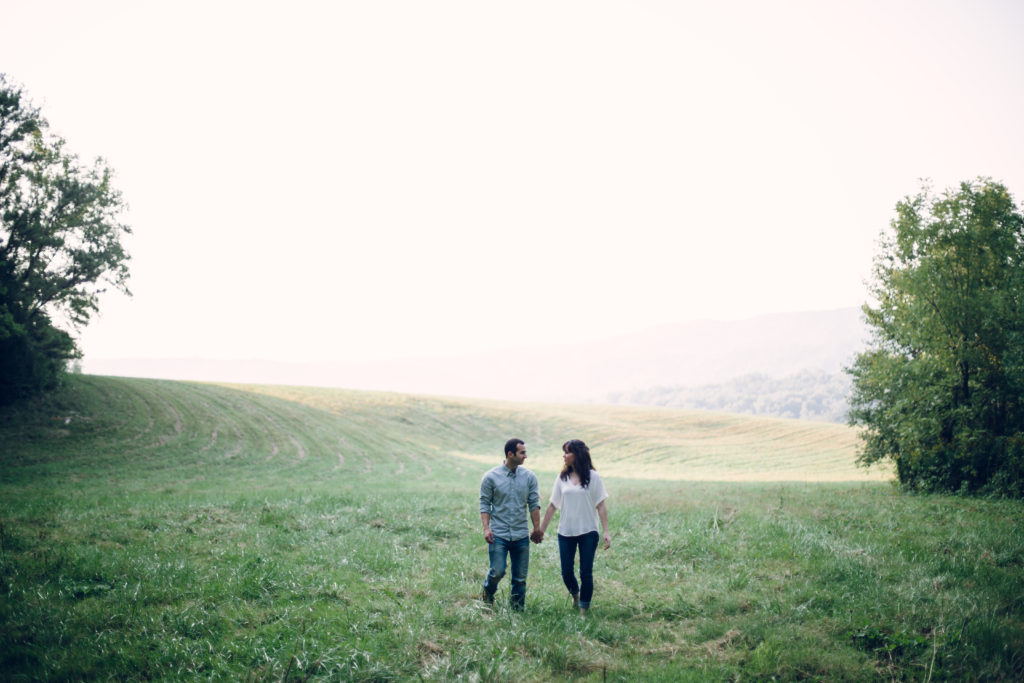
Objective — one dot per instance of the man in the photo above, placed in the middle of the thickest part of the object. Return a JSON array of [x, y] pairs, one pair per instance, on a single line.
[[506, 493]]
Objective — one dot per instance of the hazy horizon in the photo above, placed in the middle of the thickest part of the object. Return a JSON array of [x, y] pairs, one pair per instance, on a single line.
[[691, 353]]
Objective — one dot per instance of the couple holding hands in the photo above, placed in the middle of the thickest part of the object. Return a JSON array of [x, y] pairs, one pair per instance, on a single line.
[[509, 492]]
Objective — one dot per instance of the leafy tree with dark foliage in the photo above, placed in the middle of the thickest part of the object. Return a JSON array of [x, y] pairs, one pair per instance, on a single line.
[[941, 390], [60, 243]]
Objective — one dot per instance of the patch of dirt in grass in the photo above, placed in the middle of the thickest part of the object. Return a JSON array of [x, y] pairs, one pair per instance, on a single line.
[[719, 646]]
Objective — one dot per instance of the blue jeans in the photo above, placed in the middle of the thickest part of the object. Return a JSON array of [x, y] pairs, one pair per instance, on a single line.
[[587, 543], [519, 552]]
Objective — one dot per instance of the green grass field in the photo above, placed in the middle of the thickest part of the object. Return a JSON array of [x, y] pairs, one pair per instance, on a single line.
[[168, 530]]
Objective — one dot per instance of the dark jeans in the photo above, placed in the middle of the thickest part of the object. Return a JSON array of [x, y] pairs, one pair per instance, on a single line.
[[587, 543], [519, 553]]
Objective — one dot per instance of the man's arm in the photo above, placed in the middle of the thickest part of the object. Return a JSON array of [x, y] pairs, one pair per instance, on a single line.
[[486, 496], [533, 502], [485, 519], [539, 533], [533, 495], [535, 516]]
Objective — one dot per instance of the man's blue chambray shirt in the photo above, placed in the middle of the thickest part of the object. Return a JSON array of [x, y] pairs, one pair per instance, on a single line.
[[505, 495]]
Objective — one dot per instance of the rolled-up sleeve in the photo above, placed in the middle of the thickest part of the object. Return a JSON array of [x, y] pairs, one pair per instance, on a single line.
[[486, 494], [533, 496]]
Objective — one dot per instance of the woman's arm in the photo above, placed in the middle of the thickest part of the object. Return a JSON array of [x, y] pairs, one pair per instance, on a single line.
[[602, 512], [548, 514]]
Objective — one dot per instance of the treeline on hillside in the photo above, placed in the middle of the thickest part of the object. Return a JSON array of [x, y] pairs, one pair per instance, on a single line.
[[806, 395]]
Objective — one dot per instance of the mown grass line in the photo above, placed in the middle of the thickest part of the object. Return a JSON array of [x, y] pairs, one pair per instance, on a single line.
[[333, 535], [634, 442]]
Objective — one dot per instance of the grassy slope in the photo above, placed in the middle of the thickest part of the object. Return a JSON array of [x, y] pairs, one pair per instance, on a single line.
[[174, 530], [646, 443]]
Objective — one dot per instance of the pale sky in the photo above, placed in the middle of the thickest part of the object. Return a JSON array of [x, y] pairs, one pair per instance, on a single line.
[[356, 180]]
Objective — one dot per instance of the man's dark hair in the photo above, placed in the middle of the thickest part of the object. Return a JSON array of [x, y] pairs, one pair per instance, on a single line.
[[512, 445]]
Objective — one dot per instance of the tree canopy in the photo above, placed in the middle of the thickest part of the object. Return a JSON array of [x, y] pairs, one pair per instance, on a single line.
[[60, 246], [940, 391]]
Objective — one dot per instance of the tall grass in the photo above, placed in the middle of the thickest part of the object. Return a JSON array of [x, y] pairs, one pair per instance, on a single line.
[[185, 531]]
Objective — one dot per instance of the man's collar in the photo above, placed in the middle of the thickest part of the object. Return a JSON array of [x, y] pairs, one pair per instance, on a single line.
[[509, 472]]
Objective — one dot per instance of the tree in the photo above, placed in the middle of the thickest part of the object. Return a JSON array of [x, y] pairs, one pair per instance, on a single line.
[[940, 391], [60, 244]]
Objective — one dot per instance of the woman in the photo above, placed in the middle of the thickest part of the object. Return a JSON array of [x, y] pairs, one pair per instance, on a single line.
[[579, 493]]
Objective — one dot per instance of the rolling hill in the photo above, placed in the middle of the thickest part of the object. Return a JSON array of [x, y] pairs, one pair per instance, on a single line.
[[104, 416]]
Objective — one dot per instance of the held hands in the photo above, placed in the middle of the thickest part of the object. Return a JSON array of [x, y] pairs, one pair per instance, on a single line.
[[537, 536]]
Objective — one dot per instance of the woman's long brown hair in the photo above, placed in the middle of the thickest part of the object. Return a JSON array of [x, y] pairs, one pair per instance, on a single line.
[[582, 464]]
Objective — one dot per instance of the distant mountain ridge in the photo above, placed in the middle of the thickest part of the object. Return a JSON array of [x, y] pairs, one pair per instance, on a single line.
[[688, 354], [805, 395]]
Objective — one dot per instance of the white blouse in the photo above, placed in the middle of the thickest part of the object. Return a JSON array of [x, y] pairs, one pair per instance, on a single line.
[[578, 505]]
